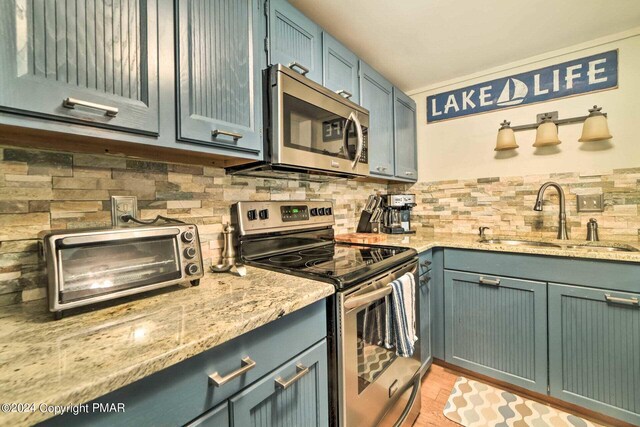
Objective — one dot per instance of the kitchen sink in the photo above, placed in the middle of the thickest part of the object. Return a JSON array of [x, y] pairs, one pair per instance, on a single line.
[[515, 242], [573, 246], [603, 248]]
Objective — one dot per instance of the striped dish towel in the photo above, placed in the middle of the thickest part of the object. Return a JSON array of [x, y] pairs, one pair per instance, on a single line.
[[400, 322]]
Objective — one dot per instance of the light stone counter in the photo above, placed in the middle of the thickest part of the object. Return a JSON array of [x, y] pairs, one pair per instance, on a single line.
[[423, 240], [87, 355]]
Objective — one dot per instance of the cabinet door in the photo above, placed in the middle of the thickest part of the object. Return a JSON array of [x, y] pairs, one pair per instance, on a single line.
[[295, 394], [217, 417], [424, 307], [219, 71], [497, 326], [340, 68], [376, 95], [404, 128], [93, 62], [594, 349], [294, 40]]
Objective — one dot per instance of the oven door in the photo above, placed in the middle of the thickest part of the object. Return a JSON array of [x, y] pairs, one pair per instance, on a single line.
[[372, 378], [90, 266], [313, 128]]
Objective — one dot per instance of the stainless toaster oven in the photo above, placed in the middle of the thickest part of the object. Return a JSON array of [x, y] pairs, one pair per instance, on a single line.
[[89, 266]]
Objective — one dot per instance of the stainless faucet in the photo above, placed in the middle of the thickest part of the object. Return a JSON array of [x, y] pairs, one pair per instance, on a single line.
[[562, 223]]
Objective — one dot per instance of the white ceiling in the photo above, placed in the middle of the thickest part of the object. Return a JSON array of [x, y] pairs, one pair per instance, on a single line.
[[416, 43]]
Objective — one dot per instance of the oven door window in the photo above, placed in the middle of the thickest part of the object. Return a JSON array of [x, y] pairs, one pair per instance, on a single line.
[[373, 356], [311, 129], [88, 271]]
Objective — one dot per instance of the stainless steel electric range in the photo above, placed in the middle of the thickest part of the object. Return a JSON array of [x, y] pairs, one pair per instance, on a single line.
[[369, 384]]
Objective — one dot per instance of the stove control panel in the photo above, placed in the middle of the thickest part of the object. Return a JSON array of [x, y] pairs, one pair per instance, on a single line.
[[294, 213], [264, 217]]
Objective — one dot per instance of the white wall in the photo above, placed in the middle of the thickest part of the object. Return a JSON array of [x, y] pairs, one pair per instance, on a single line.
[[463, 148]]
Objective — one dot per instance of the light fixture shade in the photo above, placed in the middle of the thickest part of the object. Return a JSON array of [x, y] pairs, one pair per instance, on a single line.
[[546, 134], [506, 138], [595, 128]]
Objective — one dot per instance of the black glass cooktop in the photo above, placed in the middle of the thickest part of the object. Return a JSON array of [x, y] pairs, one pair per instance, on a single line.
[[339, 263]]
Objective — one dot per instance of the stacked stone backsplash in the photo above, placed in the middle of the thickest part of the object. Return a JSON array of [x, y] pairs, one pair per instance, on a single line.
[[42, 190], [506, 205]]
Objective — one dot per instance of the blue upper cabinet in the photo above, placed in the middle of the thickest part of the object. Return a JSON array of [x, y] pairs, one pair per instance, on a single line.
[[404, 126], [93, 63], [376, 95], [220, 58], [294, 40], [340, 68], [594, 349]]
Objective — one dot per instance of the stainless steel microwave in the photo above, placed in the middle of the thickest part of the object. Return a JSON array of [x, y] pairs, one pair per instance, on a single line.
[[90, 266], [310, 129]]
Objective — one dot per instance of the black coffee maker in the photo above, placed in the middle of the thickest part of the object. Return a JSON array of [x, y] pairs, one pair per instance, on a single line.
[[396, 218]]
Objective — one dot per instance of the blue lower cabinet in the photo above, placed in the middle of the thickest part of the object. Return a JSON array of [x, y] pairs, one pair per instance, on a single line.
[[296, 394], [217, 417], [497, 326], [436, 288], [424, 317], [594, 349]]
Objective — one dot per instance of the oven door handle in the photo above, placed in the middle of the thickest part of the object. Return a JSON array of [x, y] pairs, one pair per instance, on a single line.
[[360, 300]]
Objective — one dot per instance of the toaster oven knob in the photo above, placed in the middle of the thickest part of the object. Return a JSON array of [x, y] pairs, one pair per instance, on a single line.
[[190, 253], [192, 269], [188, 236]]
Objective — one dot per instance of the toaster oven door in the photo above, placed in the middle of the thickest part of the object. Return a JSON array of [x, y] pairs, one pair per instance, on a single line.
[[93, 269]]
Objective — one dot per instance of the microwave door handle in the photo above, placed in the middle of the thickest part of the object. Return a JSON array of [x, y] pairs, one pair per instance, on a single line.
[[345, 135], [360, 140]]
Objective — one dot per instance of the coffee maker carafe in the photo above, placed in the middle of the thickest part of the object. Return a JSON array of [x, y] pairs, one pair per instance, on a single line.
[[397, 213]]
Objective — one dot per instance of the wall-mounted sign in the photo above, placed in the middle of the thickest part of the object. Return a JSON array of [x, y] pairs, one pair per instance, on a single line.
[[592, 73]]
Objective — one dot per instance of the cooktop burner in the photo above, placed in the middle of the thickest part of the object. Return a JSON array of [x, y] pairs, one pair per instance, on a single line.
[[338, 263]]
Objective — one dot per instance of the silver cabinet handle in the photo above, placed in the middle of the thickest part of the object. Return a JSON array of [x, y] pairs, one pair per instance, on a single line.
[[618, 300], [235, 136], [344, 93], [408, 173], [301, 372], [425, 263], [295, 64], [217, 380], [424, 279], [72, 102], [491, 282], [381, 169]]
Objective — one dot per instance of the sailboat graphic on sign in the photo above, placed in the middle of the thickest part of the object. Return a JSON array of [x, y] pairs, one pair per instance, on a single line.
[[513, 93]]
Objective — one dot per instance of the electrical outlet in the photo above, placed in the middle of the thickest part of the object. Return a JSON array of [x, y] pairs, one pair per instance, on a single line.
[[591, 203], [123, 205]]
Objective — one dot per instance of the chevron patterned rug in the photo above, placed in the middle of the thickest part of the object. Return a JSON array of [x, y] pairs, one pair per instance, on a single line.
[[474, 404]]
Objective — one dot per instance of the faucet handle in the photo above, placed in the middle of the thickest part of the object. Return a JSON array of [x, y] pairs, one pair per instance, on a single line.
[[481, 231]]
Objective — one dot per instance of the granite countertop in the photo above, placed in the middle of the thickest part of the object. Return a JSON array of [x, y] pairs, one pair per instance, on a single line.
[[87, 355], [424, 240]]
